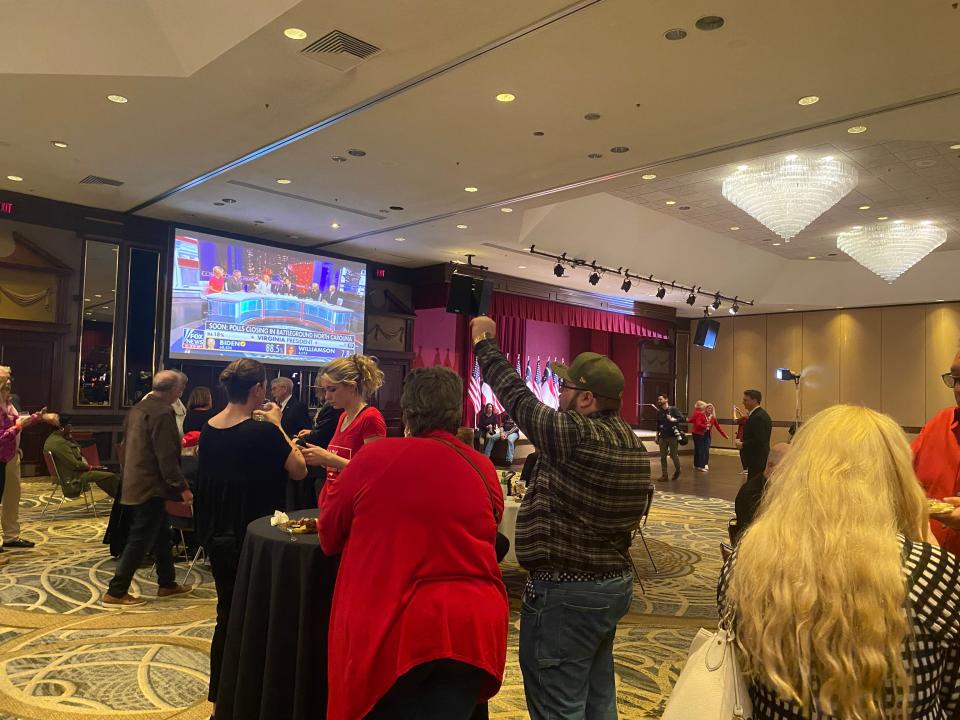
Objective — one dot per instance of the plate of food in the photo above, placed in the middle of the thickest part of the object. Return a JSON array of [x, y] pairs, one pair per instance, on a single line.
[[939, 507], [301, 526]]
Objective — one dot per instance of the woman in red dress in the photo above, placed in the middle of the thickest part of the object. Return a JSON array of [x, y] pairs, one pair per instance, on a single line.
[[419, 620], [346, 383]]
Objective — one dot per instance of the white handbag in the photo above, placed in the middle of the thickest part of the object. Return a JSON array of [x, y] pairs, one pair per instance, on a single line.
[[710, 686]]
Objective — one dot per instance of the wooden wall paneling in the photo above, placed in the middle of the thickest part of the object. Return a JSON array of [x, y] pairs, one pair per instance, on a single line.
[[903, 389], [820, 387], [860, 353], [749, 364], [784, 349], [942, 344], [717, 367]]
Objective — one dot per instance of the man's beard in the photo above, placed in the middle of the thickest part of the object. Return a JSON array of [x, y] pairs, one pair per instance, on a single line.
[[569, 405]]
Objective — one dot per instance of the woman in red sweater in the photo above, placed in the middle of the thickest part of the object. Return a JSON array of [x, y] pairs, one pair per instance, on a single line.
[[419, 618], [346, 383]]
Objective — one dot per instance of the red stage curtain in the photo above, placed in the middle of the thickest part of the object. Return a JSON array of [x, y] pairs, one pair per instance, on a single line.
[[506, 305]]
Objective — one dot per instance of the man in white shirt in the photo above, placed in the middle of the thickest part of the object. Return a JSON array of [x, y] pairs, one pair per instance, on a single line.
[[294, 414]]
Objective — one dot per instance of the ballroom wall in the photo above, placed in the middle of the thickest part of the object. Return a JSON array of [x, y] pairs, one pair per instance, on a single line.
[[888, 358]]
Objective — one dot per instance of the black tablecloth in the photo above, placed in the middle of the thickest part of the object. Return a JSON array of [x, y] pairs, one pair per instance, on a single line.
[[275, 658]]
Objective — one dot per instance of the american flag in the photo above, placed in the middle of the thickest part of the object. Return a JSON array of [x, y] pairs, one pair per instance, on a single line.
[[538, 381], [519, 368], [548, 392], [528, 378], [473, 389]]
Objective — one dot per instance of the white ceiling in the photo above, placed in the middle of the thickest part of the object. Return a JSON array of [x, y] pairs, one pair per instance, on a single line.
[[687, 111]]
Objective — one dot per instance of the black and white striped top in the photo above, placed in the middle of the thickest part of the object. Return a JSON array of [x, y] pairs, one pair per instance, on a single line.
[[931, 655]]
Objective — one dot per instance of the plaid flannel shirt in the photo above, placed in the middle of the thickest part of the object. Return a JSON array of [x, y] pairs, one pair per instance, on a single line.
[[587, 489]]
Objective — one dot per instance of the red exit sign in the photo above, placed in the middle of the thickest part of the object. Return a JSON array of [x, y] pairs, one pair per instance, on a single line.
[[6, 207], [381, 273]]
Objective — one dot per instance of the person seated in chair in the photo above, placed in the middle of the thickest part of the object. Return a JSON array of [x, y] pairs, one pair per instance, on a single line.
[[509, 432], [75, 472]]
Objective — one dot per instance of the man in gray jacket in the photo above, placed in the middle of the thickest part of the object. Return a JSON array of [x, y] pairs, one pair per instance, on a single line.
[[151, 476]]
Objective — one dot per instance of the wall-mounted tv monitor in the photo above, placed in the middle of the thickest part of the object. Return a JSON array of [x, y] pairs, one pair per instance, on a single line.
[[706, 335], [234, 299]]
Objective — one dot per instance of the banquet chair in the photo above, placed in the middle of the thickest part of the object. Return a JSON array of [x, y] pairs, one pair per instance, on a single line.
[[642, 523], [58, 486], [91, 454], [181, 519]]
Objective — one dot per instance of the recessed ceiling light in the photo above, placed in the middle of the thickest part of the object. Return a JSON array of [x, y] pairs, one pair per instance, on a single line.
[[219, 204], [398, 239], [470, 189], [521, 267], [710, 22], [882, 217], [506, 210], [396, 207], [811, 257], [777, 244], [89, 313], [119, 99], [648, 176], [675, 34], [789, 309], [808, 100], [354, 152], [619, 149], [857, 129], [462, 227], [338, 158], [506, 97], [592, 116], [595, 156], [295, 33], [15, 178], [864, 207], [671, 202], [952, 147], [538, 133], [258, 222], [86, 299], [734, 227], [335, 225], [283, 181], [97, 295], [58, 143]]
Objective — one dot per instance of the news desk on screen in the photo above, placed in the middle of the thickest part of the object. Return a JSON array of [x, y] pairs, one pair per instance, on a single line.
[[242, 307]]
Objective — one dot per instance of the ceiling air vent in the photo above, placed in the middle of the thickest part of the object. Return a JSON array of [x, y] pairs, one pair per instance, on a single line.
[[338, 50], [97, 180]]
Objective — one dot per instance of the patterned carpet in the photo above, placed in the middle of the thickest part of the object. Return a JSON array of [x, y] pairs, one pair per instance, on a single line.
[[63, 656]]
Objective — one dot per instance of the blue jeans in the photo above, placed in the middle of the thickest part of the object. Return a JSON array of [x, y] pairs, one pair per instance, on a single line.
[[701, 450], [149, 530], [566, 647], [512, 438]]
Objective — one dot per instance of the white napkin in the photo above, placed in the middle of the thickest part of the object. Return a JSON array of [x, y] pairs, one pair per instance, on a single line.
[[278, 518]]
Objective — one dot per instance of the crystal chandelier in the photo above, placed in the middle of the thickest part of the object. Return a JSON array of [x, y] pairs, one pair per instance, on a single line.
[[890, 249], [787, 194]]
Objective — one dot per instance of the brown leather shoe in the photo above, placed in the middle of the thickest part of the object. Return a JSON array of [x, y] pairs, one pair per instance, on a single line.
[[175, 590], [128, 600]]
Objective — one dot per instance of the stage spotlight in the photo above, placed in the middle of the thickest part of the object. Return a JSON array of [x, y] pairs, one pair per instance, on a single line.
[[627, 284], [785, 374], [735, 308], [558, 270], [594, 277], [661, 292], [691, 298], [716, 302]]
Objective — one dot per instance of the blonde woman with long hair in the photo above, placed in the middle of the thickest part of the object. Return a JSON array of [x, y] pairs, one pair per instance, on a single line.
[[841, 606], [347, 383]]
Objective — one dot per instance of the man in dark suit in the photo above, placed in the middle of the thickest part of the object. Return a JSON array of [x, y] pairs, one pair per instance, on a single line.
[[751, 492], [294, 414], [756, 434]]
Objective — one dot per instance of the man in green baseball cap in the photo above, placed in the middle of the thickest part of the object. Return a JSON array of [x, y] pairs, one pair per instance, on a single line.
[[589, 487], [595, 373]]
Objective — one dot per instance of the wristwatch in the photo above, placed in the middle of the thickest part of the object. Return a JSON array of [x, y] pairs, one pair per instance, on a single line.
[[483, 336]]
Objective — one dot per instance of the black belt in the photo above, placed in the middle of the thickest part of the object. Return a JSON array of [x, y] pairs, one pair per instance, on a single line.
[[568, 576]]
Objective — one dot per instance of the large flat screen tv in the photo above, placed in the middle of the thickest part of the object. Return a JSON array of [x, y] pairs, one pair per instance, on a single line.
[[234, 299]]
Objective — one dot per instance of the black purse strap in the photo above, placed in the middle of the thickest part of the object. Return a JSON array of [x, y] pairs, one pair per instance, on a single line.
[[486, 485]]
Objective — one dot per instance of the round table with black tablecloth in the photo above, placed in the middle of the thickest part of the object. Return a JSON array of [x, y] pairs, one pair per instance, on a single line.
[[275, 655]]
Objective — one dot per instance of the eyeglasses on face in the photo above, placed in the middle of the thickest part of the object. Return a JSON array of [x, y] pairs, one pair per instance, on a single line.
[[950, 380], [568, 386]]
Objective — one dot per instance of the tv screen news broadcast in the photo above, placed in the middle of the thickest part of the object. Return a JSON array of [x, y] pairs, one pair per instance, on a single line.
[[234, 299]]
